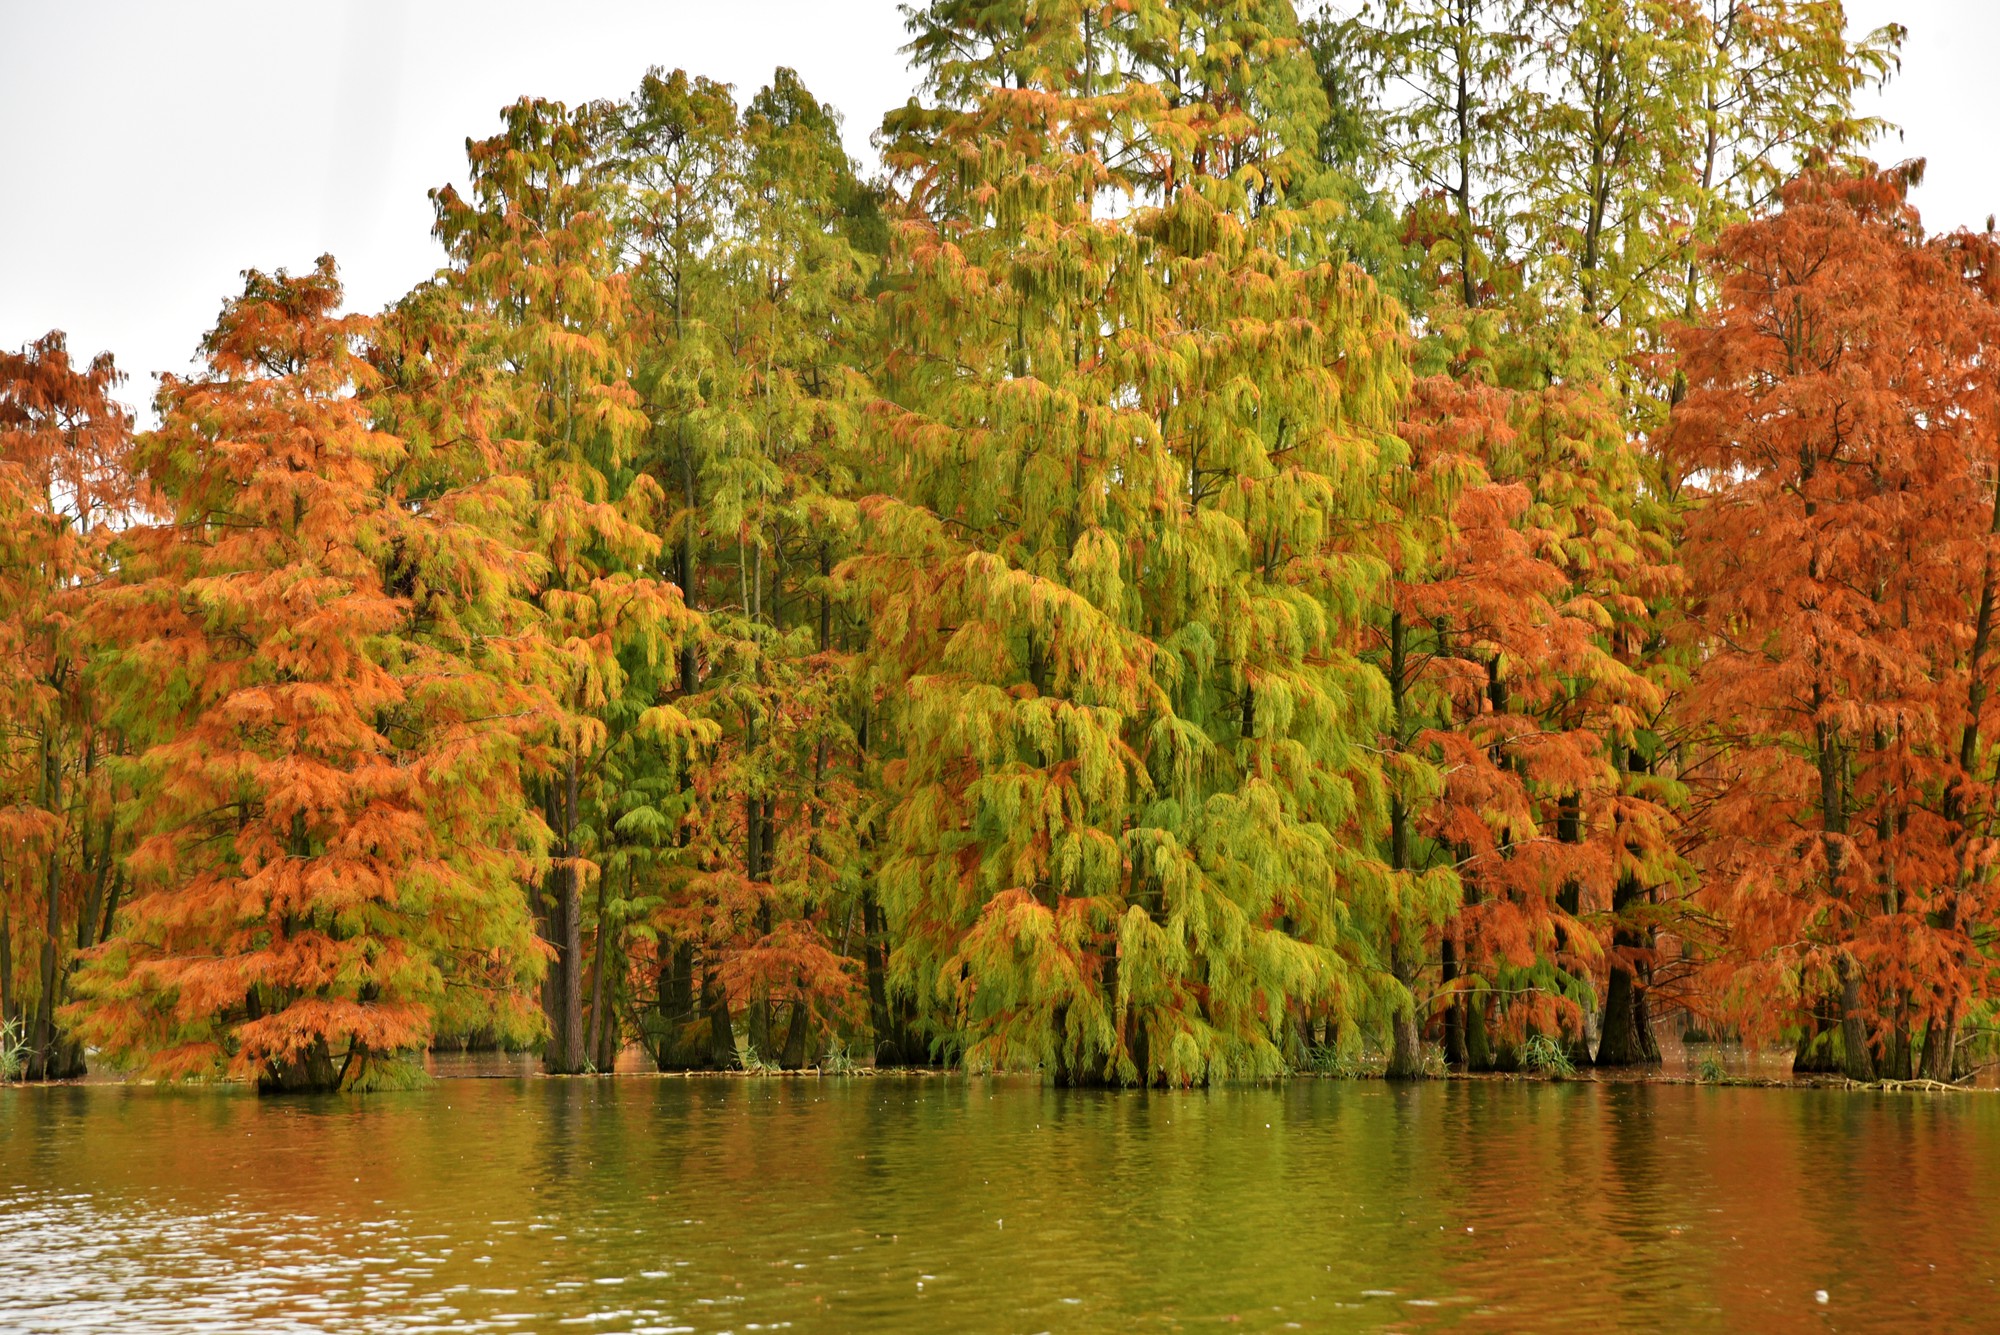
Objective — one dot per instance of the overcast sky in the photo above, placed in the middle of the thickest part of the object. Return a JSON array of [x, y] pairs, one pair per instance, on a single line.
[[150, 151]]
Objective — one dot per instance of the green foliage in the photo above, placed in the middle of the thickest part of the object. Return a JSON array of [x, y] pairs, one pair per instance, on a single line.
[[837, 1060], [1546, 1056], [1333, 1061], [13, 1050]]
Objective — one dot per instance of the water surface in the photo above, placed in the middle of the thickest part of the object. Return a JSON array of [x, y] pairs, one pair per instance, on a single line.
[[918, 1205]]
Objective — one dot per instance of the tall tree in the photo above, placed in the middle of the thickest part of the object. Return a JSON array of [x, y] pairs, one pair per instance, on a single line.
[[1835, 428], [65, 489], [745, 235], [534, 256], [297, 886], [1134, 416]]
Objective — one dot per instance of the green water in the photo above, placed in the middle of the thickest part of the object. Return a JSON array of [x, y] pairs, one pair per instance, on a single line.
[[893, 1205]]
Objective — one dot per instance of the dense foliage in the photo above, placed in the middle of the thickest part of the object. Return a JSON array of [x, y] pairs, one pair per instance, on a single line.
[[1450, 528]]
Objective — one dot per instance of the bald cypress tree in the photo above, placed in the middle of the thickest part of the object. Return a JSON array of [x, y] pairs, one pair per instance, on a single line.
[[1134, 418], [534, 263]]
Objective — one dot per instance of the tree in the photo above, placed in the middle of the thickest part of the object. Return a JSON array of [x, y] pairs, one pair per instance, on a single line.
[[535, 260], [304, 781], [65, 489], [1834, 430], [745, 239], [1132, 421]]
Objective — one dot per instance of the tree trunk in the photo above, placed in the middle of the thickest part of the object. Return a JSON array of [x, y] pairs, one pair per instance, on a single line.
[[43, 1059], [1856, 1062], [1406, 1039], [1454, 1011], [796, 1036], [889, 1040], [594, 1044], [674, 1011], [1627, 1039], [565, 1054], [1406, 1055], [6, 961], [1815, 1053], [310, 1072], [1479, 1054], [721, 1033], [689, 571], [572, 975], [1940, 1038]]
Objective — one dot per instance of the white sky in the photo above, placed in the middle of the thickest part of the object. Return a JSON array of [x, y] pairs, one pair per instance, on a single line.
[[150, 151]]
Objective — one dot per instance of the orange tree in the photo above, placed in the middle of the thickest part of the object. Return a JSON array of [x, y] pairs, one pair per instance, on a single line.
[[1837, 430], [65, 490], [318, 816]]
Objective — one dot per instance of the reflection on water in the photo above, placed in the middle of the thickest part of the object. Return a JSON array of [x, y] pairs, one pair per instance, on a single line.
[[920, 1205]]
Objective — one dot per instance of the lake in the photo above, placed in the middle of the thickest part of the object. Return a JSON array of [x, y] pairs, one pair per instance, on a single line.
[[948, 1203]]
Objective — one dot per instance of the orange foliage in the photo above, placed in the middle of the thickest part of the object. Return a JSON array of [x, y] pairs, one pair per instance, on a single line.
[[298, 892], [1838, 421]]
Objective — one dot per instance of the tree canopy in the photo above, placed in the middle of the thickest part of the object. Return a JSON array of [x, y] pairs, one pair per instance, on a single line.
[[1454, 530]]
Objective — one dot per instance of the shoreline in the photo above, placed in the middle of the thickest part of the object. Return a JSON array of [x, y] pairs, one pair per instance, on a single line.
[[1586, 1077]]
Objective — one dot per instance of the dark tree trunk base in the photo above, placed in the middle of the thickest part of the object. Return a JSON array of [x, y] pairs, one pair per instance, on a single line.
[[311, 1072]]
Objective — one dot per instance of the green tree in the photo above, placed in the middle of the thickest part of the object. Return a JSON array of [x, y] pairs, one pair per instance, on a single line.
[[1135, 412], [534, 254]]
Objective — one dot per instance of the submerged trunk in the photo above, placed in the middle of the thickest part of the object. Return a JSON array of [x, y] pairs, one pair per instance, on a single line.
[[721, 1032], [1856, 1062], [1406, 1039], [674, 1013], [1628, 1032], [309, 1072]]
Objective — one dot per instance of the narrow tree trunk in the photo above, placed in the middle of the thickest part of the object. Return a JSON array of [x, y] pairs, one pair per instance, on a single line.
[[111, 905], [721, 1033], [565, 1054], [1569, 899], [688, 571], [1856, 1062], [889, 1046], [548, 926], [825, 600], [572, 974], [6, 961], [1406, 1039], [595, 1047], [42, 1036], [1454, 1011]]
